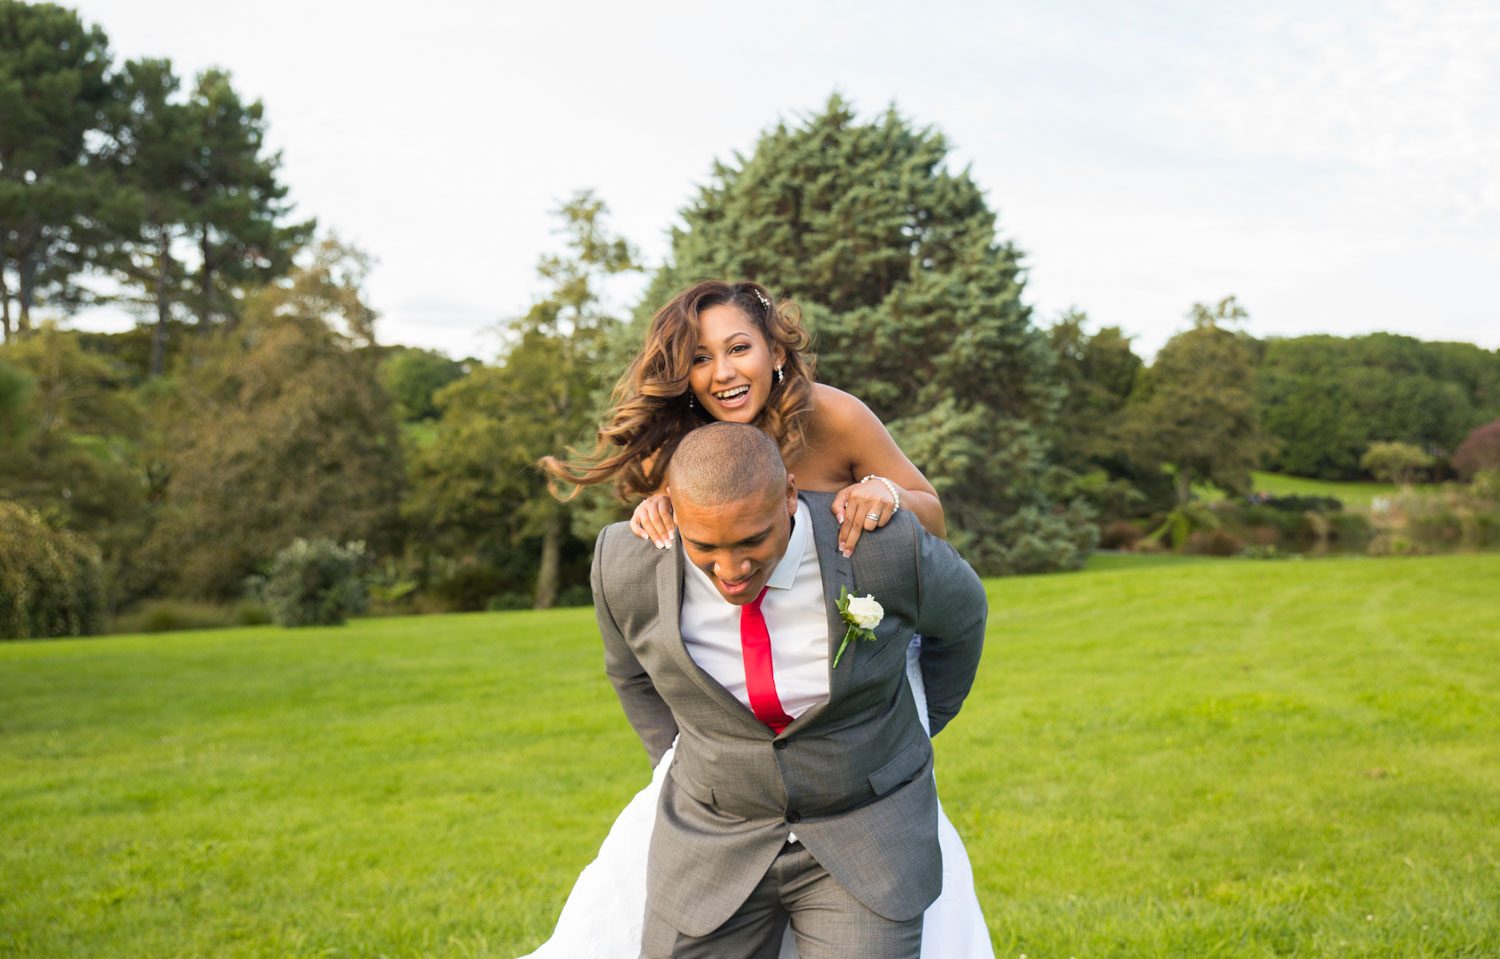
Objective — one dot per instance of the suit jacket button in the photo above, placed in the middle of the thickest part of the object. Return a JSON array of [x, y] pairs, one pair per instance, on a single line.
[[779, 744], [794, 816]]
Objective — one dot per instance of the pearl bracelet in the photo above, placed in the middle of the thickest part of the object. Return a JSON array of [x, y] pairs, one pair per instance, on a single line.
[[888, 485]]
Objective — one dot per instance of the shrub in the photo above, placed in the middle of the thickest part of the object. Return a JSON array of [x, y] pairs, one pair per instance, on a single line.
[[1304, 504], [51, 581], [1350, 531], [576, 595], [1480, 450], [1440, 528], [1121, 534], [469, 587], [1485, 485], [249, 612], [171, 615], [1213, 542], [1395, 462], [507, 602], [316, 583]]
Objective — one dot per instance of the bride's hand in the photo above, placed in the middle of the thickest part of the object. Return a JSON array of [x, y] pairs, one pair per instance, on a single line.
[[653, 520], [860, 507]]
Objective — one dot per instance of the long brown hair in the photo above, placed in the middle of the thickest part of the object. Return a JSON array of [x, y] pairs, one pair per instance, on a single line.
[[652, 407]]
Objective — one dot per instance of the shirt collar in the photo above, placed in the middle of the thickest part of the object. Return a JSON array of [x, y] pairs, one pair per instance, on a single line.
[[785, 573]]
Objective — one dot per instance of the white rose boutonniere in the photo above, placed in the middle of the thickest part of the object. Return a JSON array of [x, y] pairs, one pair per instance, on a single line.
[[862, 614]]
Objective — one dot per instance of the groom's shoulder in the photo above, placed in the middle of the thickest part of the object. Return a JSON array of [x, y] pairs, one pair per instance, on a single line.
[[620, 554], [618, 540]]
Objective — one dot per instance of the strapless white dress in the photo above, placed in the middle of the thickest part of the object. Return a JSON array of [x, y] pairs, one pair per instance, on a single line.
[[603, 914]]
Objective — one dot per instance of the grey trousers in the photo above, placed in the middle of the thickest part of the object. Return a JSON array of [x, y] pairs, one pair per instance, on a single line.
[[827, 922]]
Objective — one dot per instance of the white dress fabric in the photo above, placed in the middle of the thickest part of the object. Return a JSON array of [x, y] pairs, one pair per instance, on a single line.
[[603, 914]]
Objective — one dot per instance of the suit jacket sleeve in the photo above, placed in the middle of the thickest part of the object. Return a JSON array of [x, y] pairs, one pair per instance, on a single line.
[[648, 714], [951, 611]]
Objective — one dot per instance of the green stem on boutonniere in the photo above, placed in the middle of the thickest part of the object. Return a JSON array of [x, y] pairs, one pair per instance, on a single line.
[[854, 631]]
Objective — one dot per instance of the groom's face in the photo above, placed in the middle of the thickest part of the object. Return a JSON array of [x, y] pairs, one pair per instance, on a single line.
[[738, 543]]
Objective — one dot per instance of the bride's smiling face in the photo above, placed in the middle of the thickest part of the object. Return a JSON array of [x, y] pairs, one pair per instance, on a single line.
[[733, 368]]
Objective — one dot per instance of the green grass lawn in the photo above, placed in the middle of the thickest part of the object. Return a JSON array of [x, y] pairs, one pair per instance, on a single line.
[[1353, 494], [1228, 759]]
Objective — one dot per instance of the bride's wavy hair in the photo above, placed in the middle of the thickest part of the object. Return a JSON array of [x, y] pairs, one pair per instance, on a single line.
[[652, 407]]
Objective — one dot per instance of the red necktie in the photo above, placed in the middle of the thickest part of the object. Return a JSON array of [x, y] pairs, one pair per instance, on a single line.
[[760, 679]]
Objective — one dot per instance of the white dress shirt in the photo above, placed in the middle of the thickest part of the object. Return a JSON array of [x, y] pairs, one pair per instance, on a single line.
[[796, 621]]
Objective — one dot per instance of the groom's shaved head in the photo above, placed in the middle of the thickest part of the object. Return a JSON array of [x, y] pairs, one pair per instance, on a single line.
[[725, 462], [734, 504]]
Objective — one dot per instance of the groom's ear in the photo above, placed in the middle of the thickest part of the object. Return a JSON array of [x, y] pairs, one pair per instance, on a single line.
[[791, 495]]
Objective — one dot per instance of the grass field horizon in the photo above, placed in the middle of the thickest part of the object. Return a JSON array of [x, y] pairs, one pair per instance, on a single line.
[[1222, 758]]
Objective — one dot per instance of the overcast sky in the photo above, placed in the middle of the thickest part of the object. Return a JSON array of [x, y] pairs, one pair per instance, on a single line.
[[1334, 165]]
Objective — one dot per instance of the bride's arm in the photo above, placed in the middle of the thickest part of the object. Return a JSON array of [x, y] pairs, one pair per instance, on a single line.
[[862, 440]]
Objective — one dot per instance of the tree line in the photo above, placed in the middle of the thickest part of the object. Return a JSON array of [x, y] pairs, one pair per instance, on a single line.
[[257, 408]]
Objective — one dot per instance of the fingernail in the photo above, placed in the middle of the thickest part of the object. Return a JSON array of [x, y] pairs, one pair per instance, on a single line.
[[848, 553], [841, 517], [659, 543]]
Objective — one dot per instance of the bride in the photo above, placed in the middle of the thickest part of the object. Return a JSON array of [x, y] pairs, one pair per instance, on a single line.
[[720, 351]]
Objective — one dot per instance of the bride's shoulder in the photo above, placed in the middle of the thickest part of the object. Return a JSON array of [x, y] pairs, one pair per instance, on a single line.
[[838, 413]]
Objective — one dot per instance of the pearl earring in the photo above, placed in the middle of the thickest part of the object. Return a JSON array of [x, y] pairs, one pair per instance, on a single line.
[[780, 376]]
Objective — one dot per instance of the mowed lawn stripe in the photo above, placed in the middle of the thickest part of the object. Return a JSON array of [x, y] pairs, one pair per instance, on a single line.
[[1227, 758]]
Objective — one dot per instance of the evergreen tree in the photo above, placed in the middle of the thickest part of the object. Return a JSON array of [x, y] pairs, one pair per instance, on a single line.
[[54, 90], [238, 201], [915, 306], [200, 219]]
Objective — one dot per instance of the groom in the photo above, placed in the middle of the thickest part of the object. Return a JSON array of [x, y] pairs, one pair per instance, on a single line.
[[799, 790]]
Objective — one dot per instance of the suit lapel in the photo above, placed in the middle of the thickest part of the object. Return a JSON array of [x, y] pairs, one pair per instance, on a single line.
[[669, 573]]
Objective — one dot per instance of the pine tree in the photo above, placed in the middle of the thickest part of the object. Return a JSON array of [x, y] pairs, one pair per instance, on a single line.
[[54, 90], [200, 220], [915, 306]]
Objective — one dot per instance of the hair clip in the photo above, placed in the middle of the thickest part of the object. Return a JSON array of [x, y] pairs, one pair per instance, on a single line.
[[762, 297]]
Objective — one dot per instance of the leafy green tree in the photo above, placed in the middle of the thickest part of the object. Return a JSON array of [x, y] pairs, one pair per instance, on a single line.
[[72, 447], [1193, 412], [414, 376], [279, 429], [477, 478], [54, 89], [916, 308], [1395, 462], [1326, 399], [15, 392], [1098, 372]]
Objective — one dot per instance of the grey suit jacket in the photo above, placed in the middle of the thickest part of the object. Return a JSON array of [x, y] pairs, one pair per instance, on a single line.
[[852, 776]]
